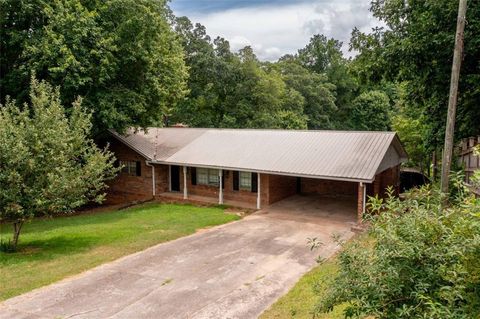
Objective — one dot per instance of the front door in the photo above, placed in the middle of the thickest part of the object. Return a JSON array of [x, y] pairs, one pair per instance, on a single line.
[[299, 185], [175, 178]]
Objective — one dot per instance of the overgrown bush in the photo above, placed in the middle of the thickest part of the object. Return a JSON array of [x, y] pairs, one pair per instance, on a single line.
[[419, 261]]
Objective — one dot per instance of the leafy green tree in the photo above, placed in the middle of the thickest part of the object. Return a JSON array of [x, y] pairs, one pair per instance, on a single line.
[[318, 94], [121, 56], [410, 124], [324, 56], [416, 47], [48, 164], [419, 261], [213, 74], [370, 111], [262, 98]]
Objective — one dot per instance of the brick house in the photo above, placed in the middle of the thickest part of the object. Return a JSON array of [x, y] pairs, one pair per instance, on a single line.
[[254, 168]]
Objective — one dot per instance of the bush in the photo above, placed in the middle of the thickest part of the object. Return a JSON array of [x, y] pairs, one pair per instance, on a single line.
[[421, 261]]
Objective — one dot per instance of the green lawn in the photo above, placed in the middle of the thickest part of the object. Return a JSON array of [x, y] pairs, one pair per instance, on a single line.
[[300, 301], [52, 249]]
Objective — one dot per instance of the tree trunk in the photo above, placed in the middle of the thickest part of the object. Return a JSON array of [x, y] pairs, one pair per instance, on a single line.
[[452, 101], [17, 227]]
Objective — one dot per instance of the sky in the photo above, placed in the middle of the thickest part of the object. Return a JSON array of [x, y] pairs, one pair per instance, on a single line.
[[277, 27]]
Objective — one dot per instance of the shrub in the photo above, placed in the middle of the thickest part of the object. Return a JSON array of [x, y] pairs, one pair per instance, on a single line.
[[421, 261]]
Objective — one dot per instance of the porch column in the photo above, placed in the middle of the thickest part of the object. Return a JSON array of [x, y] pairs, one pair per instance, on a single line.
[[259, 191], [361, 202], [220, 192], [185, 193], [169, 178], [153, 180]]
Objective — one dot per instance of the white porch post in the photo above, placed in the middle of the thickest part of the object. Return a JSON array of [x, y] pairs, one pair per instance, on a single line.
[[153, 180], [259, 190], [220, 192], [185, 193], [169, 178]]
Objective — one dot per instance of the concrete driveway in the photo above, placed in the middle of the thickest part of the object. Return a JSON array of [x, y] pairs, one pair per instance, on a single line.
[[231, 271]]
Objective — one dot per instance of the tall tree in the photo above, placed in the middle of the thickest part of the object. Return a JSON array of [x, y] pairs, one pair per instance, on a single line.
[[48, 163], [370, 112], [414, 48], [120, 55], [324, 56], [318, 94]]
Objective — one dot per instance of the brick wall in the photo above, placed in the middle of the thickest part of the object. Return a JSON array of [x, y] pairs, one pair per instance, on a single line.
[[280, 187], [127, 188], [389, 177], [328, 187]]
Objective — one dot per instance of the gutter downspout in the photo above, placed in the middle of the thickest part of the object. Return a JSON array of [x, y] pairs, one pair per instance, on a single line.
[[153, 177]]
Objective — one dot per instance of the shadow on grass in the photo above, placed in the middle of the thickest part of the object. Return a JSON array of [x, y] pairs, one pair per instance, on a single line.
[[47, 249]]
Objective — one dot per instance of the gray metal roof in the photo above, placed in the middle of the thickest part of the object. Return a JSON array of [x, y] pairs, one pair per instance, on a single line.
[[339, 155]]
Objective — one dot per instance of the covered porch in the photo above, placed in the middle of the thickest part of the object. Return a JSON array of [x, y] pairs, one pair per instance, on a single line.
[[177, 196], [257, 190]]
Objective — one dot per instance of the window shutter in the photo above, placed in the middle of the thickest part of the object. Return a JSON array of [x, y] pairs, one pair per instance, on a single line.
[[254, 183], [223, 180], [236, 178], [193, 172], [139, 168]]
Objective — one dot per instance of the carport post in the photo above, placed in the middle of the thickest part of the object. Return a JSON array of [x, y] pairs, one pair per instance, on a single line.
[[362, 194], [185, 192], [220, 192], [258, 191]]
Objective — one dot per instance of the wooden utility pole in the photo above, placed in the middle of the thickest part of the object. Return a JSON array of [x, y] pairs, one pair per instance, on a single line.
[[452, 101]]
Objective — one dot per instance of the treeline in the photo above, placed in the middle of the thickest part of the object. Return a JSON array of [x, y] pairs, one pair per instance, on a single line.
[[312, 89], [135, 64]]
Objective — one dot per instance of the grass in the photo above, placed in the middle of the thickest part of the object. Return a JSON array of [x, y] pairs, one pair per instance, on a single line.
[[300, 301], [52, 249]]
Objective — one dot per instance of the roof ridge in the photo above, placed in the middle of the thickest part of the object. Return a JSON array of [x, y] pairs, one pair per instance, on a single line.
[[270, 130]]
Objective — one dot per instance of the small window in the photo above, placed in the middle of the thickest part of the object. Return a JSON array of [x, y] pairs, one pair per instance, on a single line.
[[245, 181], [206, 176], [131, 168]]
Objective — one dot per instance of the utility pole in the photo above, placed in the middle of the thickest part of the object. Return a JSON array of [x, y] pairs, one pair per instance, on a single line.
[[452, 101]]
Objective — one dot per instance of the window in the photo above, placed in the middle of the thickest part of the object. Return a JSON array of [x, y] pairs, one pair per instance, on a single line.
[[245, 180], [206, 176], [131, 168]]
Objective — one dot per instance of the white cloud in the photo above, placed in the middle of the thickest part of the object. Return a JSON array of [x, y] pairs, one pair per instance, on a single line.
[[273, 31]]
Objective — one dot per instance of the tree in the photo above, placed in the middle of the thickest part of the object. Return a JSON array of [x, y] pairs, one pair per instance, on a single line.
[[409, 122], [318, 94], [370, 111], [48, 164], [324, 56], [415, 48], [213, 74], [121, 56]]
